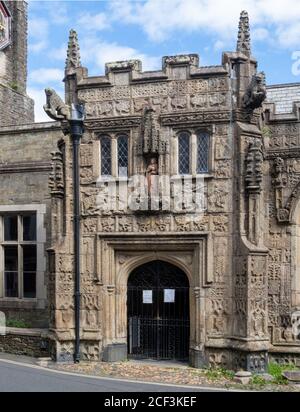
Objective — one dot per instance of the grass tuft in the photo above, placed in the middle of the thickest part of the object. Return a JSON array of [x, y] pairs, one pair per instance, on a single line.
[[17, 323]]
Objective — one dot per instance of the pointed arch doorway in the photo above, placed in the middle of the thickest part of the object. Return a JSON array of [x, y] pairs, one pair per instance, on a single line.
[[158, 312]]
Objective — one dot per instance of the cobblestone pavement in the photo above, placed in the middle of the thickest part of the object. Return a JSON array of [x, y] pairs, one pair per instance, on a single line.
[[180, 375]]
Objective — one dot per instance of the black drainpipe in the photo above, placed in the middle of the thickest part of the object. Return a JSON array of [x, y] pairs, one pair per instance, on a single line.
[[76, 128]]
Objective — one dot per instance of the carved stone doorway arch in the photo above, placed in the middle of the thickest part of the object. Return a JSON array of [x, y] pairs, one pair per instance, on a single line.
[[119, 256], [158, 312]]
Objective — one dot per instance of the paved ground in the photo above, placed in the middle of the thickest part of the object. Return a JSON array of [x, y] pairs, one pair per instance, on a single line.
[[30, 378], [173, 373], [21, 373]]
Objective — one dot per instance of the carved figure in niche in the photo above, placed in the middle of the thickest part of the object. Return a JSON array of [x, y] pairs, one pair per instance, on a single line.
[[280, 178], [91, 318], [152, 170], [218, 324], [217, 198], [66, 318]]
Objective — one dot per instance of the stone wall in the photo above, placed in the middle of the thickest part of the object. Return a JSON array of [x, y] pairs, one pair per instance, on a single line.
[[13, 59], [25, 166], [183, 97], [221, 249], [284, 96], [282, 179], [241, 254], [16, 108], [27, 342]]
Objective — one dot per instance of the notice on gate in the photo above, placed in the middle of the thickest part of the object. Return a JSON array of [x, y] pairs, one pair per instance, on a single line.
[[147, 296], [169, 295]]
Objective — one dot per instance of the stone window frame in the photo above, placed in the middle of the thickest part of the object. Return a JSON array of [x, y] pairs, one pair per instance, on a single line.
[[41, 293], [193, 132], [114, 154]]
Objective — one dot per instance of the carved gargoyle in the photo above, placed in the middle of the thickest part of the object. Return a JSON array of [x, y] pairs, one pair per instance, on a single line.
[[55, 108], [256, 93]]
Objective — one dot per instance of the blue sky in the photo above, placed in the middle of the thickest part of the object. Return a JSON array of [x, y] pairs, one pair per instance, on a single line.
[[120, 30]]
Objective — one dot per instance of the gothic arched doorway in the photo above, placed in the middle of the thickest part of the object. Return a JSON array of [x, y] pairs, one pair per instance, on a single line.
[[158, 312]]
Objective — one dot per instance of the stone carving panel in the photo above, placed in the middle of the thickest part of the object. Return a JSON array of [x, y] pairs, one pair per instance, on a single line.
[[218, 197]]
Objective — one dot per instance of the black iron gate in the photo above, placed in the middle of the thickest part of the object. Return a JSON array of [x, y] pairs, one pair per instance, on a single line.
[[158, 312]]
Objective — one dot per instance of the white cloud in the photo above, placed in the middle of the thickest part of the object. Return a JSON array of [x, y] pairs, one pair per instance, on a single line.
[[39, 97], [39, 100], [160, 19], [46, 75], [219, 45], [38, 30], [96, 22], [57, 10], [59, 53], [100, 52], [40, 79], [260, 34], [37, 47], [96, 52], [289, 36], [38, 27]]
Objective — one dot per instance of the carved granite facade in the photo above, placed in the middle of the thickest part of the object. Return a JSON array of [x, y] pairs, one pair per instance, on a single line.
[[240, 252], [240, 274]]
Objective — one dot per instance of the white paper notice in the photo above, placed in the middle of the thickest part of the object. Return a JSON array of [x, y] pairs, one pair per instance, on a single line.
[[169, 295], [147, 296]]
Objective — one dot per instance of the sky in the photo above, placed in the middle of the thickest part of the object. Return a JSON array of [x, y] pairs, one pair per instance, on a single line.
[[111, 30]]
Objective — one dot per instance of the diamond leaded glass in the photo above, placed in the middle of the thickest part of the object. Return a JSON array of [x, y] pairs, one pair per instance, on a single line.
[[202, 152], [184, 153], [105, 156], [123, 156]]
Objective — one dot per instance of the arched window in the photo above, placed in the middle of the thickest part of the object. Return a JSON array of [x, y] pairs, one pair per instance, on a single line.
[[184, 153], [123, 156], [202, 152], [105, 156]]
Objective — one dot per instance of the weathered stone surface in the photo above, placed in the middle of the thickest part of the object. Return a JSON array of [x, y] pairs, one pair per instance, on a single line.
[[16, 106], [25, 165], [243, 377], [241, 253], [29, 343], [292, 376], [267, 377]]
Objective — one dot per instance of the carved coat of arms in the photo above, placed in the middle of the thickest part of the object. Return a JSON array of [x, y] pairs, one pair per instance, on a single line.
[[5, 26]]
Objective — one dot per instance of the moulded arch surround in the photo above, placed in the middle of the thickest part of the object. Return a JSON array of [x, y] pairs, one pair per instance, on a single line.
[[295, 253], [136, 261], [292, 204], [295, 208], [183, 131], [124, 259]]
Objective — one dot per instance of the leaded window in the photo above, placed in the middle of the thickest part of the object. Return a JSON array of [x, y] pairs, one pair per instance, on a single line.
[[123, 156], [19, 250], [184, 153], [202, 152], [105, 156]]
